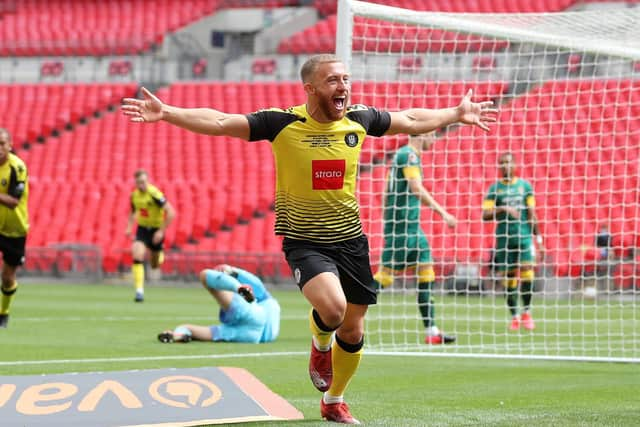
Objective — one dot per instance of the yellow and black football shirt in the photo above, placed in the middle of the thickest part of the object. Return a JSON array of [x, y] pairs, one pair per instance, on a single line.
[[316, 169], [149, 206], [14, 182]]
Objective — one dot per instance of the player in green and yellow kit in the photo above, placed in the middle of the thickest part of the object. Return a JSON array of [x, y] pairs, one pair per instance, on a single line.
[[14, 220], [153, 213], [511, 203], [405, 244]]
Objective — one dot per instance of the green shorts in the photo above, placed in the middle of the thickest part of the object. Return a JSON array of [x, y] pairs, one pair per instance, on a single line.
[[512, 255], [402, 251]]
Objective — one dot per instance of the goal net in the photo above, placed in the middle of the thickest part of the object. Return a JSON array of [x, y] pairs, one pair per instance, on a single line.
[[568, 89]]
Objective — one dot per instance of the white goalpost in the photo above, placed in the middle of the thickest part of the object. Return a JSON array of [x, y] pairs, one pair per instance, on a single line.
[[568, 88]]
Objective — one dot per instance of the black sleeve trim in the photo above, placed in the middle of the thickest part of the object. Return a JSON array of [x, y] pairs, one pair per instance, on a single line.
[[375, 122], [160, 201], [267, 124], [16, 188]]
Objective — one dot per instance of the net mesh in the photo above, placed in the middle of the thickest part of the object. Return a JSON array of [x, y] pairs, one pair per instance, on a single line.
[[568, 91]]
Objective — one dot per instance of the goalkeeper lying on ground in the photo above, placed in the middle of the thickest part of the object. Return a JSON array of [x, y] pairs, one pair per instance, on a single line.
[[248, 312]]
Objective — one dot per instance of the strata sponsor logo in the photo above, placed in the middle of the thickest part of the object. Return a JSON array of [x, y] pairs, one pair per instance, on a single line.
[[328, 174]]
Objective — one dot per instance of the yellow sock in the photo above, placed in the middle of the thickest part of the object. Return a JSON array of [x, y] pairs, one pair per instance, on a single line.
[[321, 337], [7, 296], [137, 269], [160, 258], [345, 362]]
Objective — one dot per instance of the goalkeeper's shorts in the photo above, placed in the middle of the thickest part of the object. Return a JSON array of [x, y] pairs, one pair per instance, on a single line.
[[402, 251]]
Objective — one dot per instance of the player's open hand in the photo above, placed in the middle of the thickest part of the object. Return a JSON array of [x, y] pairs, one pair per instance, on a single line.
[[476, 113], [450, 220], [148, 109]]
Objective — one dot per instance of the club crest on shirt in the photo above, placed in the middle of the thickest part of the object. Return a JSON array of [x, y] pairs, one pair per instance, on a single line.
[[3, 182], [351, 139]]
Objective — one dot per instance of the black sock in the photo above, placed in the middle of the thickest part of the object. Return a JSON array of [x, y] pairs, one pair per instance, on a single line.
[[512, 300], [425, 303], [526, 289]]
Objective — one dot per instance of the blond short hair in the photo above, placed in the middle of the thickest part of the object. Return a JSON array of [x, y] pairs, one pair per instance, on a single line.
[[311, 65], [137, 174]]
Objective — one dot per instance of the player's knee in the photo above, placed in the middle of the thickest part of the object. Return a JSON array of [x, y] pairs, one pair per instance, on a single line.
[[137, 252], [8, 280], [351, 334], [333, 316], [528, 275]]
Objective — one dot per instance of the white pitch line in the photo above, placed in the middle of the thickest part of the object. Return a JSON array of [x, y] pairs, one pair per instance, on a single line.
[[304, 353], [151, 358], [213, 317]]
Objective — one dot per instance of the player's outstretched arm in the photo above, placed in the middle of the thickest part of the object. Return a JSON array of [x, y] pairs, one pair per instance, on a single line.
[[207, 121], [417, 121]]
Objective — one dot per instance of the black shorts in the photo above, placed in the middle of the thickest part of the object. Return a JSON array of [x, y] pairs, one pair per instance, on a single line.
[[12, 249], [349, 260], [145, 235]]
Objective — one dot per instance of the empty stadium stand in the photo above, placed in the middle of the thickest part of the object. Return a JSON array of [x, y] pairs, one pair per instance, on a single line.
[[31, 112], [223, 188], [69, 27]]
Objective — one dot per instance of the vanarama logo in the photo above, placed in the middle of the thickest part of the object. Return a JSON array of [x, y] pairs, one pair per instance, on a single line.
[[328, 174], [153, 397]]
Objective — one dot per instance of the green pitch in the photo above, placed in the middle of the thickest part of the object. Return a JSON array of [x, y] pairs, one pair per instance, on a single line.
[[78, 328]]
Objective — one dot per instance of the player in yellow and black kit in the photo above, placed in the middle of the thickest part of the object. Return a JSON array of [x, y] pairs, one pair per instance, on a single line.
[[153, 213], [316, 147], [14, 220]]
